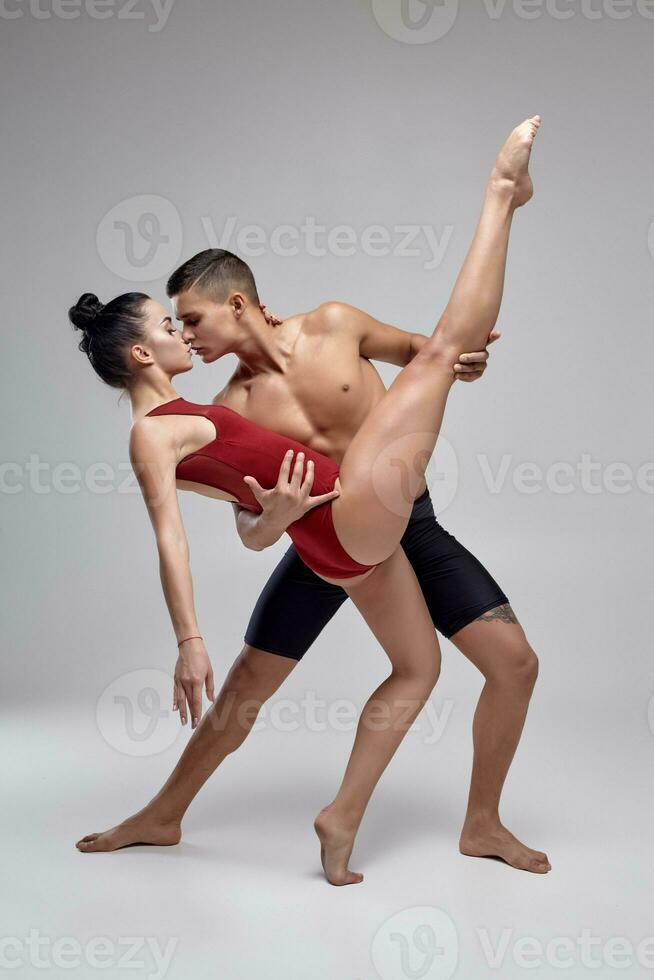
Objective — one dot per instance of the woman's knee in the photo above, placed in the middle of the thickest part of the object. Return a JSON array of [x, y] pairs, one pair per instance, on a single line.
[[438, 353], [258, 673]]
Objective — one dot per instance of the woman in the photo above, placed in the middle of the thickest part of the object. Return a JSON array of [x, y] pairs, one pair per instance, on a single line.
[[351, 530]]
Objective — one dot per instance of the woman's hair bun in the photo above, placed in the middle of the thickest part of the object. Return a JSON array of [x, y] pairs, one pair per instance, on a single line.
[[84, 314]]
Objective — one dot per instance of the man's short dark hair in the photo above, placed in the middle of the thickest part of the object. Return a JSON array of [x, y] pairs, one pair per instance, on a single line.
[[217, 273]]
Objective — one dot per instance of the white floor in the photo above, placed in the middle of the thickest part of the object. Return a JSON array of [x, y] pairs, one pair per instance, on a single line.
[[242, 896]]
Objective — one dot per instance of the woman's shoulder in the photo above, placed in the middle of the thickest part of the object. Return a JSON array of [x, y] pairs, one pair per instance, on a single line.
[[147, 436]]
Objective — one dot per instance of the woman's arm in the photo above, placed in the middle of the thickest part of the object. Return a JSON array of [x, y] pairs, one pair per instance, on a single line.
[[154, 459]]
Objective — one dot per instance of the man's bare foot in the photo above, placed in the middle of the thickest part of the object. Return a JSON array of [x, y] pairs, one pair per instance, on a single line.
[[497, 841], [336, 843], [511, 171], [143, 828]]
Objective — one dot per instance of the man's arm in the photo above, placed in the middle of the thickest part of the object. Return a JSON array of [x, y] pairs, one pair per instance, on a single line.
[[255, 533], [282, 505], [382, 342]]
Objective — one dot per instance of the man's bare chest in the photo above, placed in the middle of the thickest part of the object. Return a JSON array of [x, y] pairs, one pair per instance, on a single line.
[[321, 399]]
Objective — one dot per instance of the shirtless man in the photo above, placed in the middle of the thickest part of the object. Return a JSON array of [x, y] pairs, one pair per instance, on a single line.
[[309, 377]]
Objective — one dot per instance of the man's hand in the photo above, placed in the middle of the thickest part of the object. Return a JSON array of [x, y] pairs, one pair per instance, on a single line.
[[291, 498], [271, 318], [470, 367], [192, 672]]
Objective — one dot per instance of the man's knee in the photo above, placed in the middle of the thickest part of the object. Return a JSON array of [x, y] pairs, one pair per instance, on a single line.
[[521, 664], [422, 676]]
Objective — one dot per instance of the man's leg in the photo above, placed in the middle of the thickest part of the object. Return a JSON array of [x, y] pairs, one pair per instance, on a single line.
[[469, 608], [293, 608], [496, 644]]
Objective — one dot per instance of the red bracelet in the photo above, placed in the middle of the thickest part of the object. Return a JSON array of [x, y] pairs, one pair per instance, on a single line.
[[189, 638]]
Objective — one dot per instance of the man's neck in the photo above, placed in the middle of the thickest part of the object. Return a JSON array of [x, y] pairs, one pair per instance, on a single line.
[[267, 349]]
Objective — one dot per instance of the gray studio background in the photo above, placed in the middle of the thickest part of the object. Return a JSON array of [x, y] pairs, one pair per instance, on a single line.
[[130, 143]]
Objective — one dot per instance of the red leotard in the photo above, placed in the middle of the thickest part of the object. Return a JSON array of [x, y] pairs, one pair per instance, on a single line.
[[244, 448]]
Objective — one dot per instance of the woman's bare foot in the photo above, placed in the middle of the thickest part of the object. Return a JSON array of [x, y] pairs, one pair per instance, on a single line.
[[511, 171], [144, 827], [336, 843], [495, 840]]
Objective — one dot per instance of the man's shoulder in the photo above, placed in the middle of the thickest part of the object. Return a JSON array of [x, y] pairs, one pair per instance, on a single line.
[[334, 316]]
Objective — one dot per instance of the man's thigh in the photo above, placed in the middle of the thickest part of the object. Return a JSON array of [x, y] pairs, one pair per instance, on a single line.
[[293, 609], [457, 588]]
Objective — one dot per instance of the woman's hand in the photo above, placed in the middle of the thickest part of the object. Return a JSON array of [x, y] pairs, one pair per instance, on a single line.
[[291, 498], [192, 672], [470, 367]]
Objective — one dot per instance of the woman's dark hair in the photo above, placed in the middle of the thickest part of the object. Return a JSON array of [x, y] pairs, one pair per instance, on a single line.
[[107, 331]]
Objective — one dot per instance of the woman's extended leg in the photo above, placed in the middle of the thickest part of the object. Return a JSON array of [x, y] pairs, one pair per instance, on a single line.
[[394, 608], [253, 678], [397, 439]]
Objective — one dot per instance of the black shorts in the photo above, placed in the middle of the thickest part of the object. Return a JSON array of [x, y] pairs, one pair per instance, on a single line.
[[296, 604]]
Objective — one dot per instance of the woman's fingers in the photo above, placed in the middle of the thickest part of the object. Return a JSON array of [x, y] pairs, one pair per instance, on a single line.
[[308, 479], [255, 487], [298, 470], [323, 498], [211, 694], [180, 697], [285, 469], [196, 703]]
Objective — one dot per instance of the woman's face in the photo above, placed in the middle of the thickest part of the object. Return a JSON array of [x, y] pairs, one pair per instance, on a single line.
[[162, 339]]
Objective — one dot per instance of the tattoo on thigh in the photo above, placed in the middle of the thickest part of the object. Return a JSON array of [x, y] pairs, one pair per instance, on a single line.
[[500, 614]]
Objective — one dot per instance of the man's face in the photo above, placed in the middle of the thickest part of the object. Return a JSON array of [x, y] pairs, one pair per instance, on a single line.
[[212, 328]]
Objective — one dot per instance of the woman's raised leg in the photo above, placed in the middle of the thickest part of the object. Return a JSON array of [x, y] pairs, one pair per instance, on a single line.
[[385, 462], [392, 604]]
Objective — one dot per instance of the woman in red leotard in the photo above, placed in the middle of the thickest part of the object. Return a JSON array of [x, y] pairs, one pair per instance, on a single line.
[[350, 530]]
